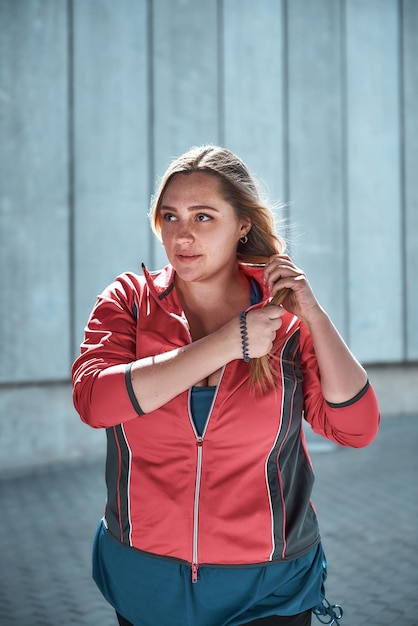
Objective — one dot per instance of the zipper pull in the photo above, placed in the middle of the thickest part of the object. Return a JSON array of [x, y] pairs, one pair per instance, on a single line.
[[195, 569]]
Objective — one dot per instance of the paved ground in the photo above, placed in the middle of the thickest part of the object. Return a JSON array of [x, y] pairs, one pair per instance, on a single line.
[[367, 502]]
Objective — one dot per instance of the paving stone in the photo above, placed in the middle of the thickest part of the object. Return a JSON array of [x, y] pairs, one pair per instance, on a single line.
[[367, 506]]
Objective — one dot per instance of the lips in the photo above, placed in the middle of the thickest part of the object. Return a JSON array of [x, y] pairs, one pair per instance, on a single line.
[[187, 256]]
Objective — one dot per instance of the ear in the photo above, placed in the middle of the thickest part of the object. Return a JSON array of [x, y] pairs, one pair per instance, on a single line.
[[245, 226]]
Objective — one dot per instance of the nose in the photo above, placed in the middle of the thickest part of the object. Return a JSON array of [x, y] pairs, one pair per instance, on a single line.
[[184, 231]]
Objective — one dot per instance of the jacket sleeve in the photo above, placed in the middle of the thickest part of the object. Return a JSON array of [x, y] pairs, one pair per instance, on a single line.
[[102, 391], [353, 423]]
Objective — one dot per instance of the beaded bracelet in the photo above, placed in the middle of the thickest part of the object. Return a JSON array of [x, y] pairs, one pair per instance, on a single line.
[[244, 336]]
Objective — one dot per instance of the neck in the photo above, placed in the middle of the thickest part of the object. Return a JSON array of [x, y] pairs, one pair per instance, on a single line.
[[224, 289]]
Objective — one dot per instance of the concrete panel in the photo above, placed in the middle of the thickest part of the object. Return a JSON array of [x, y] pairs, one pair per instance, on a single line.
[[410, 98], [253, 89], [373, 154], [396, 388], [185, 79], [40, 426], [111, 147], [34, 274], [316, 188]]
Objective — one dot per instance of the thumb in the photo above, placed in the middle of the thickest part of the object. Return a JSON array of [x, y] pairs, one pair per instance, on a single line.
[[274, 311]]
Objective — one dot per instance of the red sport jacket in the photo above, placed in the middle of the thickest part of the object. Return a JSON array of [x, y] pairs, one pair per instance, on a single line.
[[241, 493]]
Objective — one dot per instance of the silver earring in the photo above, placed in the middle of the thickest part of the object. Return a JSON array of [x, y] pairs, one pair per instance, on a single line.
[[244, 239]]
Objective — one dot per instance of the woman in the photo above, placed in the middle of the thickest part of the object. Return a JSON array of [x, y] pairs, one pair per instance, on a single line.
[[201, 380]]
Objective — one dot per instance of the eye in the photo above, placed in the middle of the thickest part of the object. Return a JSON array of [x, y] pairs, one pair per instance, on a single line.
[[203, 217], [168, 217]]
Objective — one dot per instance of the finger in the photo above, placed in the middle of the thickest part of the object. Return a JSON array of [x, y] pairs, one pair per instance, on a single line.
[[274, 311], [281, 273], [276, 270], [276, 322], [276, 325], [280, 257]]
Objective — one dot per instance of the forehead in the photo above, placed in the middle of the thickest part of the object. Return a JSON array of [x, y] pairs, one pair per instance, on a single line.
[[192, 188]]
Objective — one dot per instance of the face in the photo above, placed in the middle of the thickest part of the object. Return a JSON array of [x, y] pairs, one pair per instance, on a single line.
[[199, 228]]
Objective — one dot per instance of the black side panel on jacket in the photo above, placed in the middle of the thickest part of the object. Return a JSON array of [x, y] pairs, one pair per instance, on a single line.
[[117, 515]]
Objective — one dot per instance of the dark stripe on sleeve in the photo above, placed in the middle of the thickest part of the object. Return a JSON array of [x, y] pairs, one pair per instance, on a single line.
[[357, 397], [130, 390]]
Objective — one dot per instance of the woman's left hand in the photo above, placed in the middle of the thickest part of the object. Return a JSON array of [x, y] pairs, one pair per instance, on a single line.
[[280, 272]]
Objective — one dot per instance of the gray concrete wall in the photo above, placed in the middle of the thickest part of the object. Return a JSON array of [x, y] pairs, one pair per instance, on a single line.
[[96, 97]]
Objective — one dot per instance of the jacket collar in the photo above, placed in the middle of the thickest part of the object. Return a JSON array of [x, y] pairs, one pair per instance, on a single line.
[[161, 282]]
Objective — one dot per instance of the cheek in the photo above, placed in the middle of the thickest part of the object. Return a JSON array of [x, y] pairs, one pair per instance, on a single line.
[[166, 234], [228, 237], [167, 244]]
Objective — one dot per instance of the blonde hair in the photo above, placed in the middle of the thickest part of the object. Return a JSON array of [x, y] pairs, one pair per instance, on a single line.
[[240, 189]]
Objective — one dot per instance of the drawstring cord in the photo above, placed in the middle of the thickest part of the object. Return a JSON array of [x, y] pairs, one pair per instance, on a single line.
[[327, 611]]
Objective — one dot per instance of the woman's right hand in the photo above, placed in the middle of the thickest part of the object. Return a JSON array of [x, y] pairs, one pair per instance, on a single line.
[[262, 325]]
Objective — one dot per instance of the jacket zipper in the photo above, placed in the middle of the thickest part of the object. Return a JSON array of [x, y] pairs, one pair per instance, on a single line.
[[199, 446], [199, 442], [195, 558]]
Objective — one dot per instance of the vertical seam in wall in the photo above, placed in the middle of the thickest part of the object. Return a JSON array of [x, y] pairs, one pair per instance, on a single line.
[[152, 240], [344, 170], [71, 176], [221, 72], [285, 121], [402, 179]]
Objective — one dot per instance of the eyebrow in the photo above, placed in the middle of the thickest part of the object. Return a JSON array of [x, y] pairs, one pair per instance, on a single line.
[[198, 207]]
